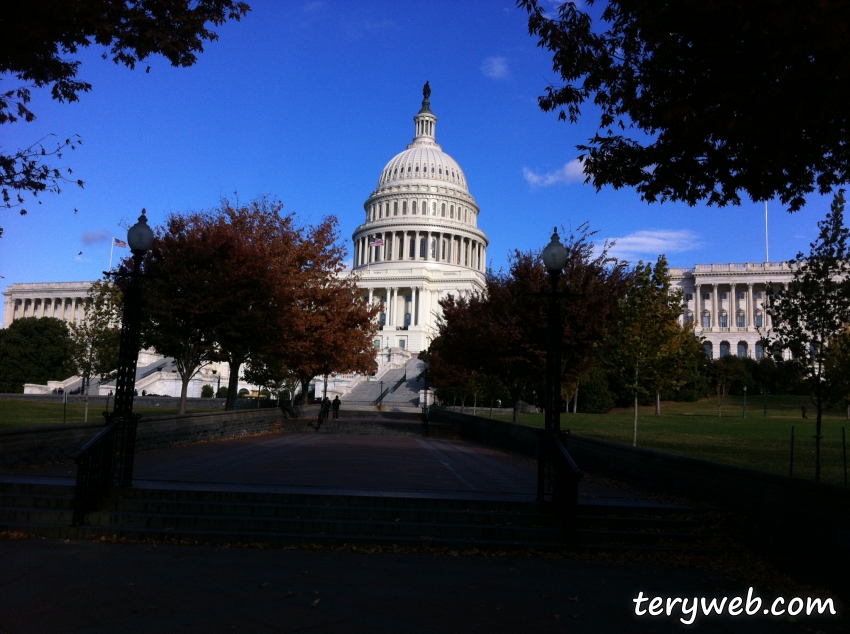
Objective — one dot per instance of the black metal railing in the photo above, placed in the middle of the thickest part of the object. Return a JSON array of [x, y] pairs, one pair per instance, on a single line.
[[565, 478], [381, 397], [104, 462], [398, 383]]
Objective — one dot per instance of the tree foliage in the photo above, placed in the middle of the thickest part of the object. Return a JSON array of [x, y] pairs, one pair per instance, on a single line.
[[96, 339], [651, 351], [812, 312], [34, 350], [503, 333], [692, 97], [39, 42]]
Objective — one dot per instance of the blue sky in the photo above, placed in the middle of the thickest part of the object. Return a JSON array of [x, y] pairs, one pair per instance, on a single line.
[[307, 101]]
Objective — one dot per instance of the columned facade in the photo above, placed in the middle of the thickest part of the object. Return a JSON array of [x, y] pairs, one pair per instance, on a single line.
[[62, 300], [419, 241], [725, 302]]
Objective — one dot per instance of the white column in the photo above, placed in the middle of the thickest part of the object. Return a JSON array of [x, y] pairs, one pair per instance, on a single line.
[[751, 306], [416, 302], [715, 317]]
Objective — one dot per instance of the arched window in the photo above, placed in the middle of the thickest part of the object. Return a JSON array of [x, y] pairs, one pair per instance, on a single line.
[[689, 317], [422, 246], [452, 211], [724, 349], [383, 320], [395, 208], [433, 209], [412, 249], [740, 319], [742, 349], [759, 319], [413, 207], [724, 320], [404, 208], [709, 349], [706, 320], [417, 169], [759, 351], [444, 210]]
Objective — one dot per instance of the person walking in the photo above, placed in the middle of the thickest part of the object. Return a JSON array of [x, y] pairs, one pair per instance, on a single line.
[[335, 406]]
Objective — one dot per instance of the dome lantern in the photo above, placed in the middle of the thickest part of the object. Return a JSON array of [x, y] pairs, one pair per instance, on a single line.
[[426, 122]]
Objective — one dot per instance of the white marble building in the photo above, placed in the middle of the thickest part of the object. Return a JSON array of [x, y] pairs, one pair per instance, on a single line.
[[725, 302], [419, 243], [63, 300]]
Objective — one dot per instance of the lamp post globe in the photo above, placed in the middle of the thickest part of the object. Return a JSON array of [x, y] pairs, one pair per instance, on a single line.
[[140, 236], [555, 254]]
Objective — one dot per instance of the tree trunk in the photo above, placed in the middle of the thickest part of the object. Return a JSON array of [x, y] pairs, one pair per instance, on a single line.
[[575, 401], [516, 411], [819, 405], [232, 385], [474, 403], [634, 438], [305, 391], [657, 403], [184, 392]]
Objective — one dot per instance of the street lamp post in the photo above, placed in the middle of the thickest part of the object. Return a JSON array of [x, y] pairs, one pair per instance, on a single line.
[[106, 461], [140, 239], [745, 401], [425, 401], [554, 259]]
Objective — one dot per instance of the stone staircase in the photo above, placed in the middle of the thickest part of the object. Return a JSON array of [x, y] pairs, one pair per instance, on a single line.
[[406, 395], [200, 515]]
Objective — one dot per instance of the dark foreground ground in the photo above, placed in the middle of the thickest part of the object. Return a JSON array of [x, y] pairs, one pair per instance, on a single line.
[[51, 587], [94, 587]]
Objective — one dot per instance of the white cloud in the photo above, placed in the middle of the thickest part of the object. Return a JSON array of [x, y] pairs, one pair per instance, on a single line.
[[651, 243], [495, 67], [96, 237], [572, 172]]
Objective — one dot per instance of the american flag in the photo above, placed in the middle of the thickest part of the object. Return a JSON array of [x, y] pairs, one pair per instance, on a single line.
[[376, 242], [119, 243]]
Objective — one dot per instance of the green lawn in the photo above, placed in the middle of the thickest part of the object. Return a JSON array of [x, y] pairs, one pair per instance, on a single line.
[[16, 413], [695, 429]]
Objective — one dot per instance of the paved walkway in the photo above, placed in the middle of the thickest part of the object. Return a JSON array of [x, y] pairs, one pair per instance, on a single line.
[[395, 465]]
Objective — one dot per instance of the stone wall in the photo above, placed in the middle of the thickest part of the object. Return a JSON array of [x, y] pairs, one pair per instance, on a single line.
[[38, 444], [518, 438]]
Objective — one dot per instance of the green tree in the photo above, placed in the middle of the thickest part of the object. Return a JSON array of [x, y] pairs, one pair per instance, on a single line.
[[39, 40], [650, 350], [207, 391], [96, 339], [692, 97], [34, 351], [813, 310]]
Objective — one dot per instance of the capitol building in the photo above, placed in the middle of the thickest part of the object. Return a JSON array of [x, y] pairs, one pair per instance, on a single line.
[[420, 242]]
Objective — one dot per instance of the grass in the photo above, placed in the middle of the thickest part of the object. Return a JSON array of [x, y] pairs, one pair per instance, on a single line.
[[15, 413], [695, 429]]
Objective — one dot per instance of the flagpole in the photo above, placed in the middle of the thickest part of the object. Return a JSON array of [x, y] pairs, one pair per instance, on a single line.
[[111, 249], [766, 242]]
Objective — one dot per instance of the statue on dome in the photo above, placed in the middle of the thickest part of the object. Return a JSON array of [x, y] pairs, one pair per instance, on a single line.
[[426, 91]]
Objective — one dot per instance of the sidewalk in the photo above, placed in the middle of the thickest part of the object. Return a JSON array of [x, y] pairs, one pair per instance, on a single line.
[[93, 588]]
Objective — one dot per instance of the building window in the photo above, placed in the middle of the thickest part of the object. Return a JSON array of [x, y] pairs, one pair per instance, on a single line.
[[433, 205], [422, 248], [757, 295], [383, 319], [404, 208], [742, 350], [413, 207], [689, 317], [407, 318], [395, 209], [709, 352], [689, 296], [759, 351], [740, 295], [724, 349], [433, 249], [377, 343], [444, 210], [724, 320], [706, 296], [740, 322], [722, 295], [443, 256], [706, 320], [451, 211], [402, 343], [412, 248], [759, 320]]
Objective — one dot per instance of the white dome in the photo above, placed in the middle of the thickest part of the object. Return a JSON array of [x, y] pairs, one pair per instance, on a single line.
[[421, 163]]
